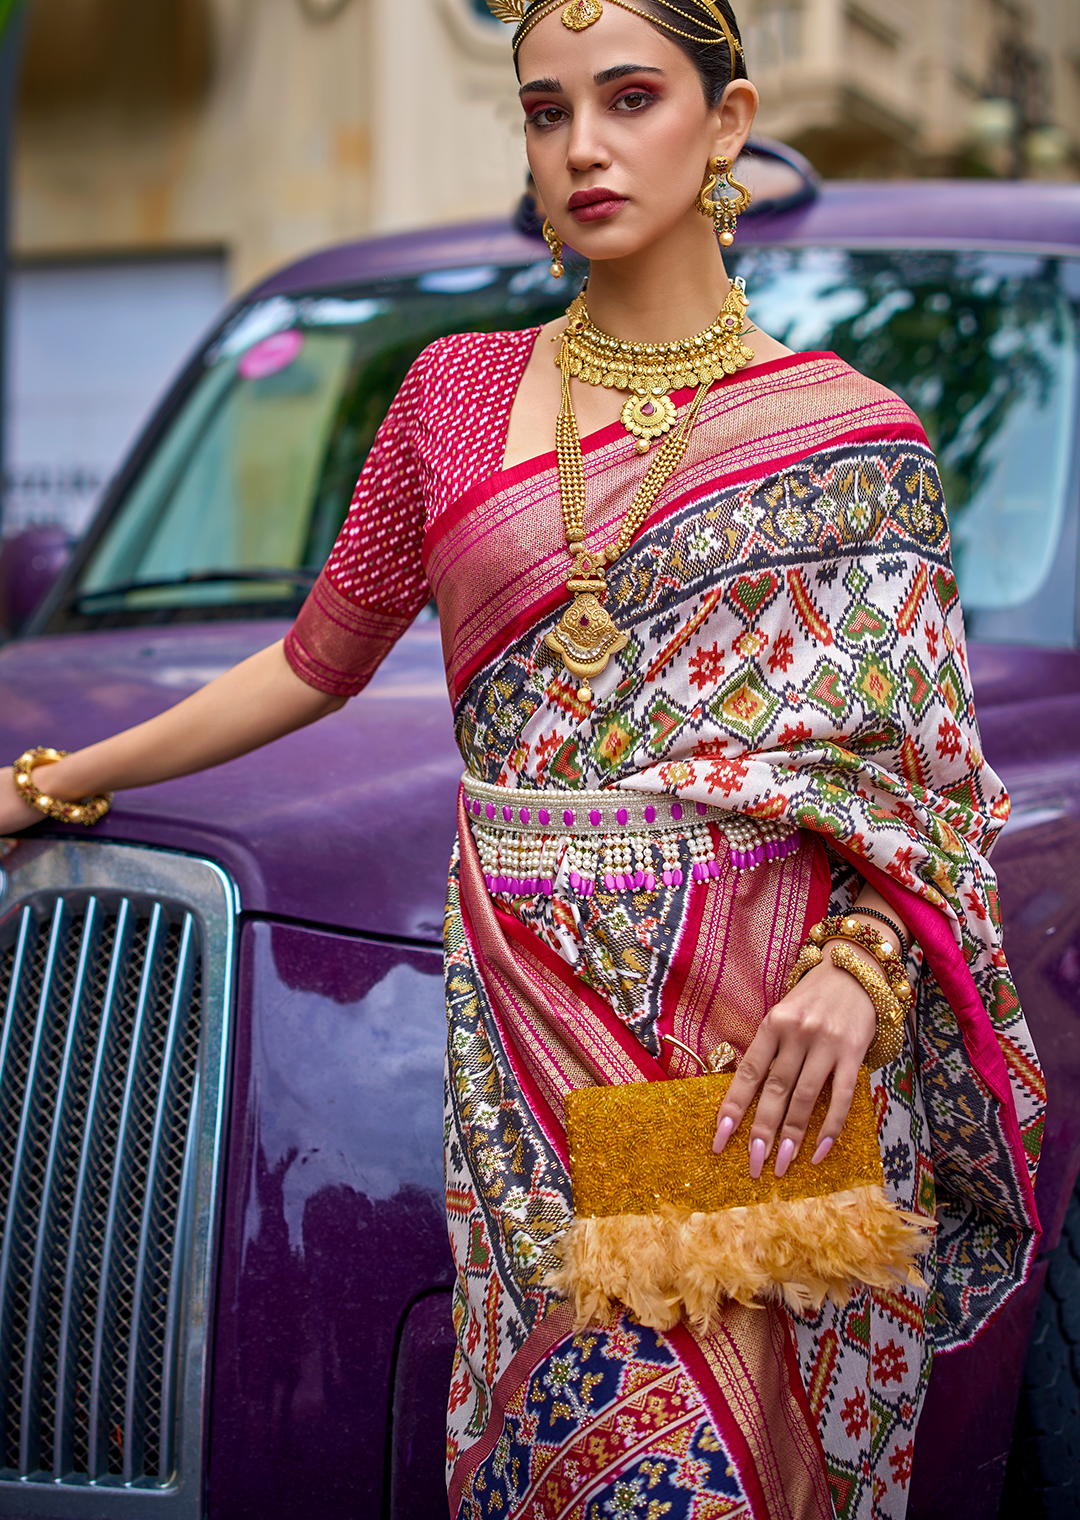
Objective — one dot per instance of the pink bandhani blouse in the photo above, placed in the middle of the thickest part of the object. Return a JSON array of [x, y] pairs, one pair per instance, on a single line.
[[444, 432]]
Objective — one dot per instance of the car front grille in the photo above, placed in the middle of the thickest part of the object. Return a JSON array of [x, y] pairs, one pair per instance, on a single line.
[[104, 1050]]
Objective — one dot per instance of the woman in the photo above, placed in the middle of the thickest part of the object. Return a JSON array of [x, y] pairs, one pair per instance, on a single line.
[[772, 660]]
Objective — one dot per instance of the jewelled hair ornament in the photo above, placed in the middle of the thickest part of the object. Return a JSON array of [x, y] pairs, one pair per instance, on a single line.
[[705, 16], [670, 1230]]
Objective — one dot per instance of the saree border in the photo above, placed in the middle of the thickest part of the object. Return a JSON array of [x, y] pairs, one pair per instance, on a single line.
[[510, 631], [539, 464], [692, 988], [953, 975], [554, 1327]]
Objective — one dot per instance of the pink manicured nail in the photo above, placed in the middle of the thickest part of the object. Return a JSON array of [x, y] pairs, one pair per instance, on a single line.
[[723, 1133], [824, 1147], [784, 1157], [757, 1157]]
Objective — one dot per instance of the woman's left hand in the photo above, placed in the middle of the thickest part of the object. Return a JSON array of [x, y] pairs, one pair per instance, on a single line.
[[821, 1029]]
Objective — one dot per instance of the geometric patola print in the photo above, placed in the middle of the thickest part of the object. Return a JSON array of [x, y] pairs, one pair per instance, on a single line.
[[864, 622], [876, 684], [825, 689], [745, 705], [751, 594], [919, 689], [950, 685]]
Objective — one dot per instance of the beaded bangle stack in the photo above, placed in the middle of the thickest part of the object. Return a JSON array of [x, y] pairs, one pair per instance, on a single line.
[[890, 993], [905, 943], [89, 810]]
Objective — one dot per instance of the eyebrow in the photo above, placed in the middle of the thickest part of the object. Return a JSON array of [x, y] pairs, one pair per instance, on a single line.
[[620, 71], [605, 76]]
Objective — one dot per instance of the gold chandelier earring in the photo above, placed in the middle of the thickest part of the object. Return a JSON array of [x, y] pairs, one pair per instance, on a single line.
[[554, 242], [723, 210]]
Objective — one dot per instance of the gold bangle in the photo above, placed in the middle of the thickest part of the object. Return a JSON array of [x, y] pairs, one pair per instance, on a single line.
[[89, 810], [809, 957], [888, 1040], [844, 926]]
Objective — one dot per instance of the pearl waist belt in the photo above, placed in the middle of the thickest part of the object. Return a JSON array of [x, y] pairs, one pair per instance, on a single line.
[[629, 841]]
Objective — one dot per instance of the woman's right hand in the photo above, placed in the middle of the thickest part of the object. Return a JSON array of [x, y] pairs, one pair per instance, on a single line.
[[257, 701], [15, 814]]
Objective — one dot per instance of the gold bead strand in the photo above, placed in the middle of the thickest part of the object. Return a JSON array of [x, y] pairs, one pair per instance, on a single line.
[[665, 464], [571, 465]]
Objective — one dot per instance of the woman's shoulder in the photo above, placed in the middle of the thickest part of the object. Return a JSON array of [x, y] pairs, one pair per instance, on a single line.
[[475, 356], [850, 393]]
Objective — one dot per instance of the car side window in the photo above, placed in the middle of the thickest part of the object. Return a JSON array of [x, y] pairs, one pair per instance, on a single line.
[[984, 348]]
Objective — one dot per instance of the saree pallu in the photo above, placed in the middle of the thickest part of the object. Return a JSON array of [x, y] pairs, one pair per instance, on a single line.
[[796, 660]]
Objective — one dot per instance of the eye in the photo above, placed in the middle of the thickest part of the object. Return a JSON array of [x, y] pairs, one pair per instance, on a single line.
[[546, 116], [634, 100]]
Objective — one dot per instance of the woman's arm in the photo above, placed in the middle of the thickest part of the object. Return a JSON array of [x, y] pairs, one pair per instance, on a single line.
[[257, 701]]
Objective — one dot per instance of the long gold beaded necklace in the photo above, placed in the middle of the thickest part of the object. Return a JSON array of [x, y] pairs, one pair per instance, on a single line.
[[649, 371], [586, 635]]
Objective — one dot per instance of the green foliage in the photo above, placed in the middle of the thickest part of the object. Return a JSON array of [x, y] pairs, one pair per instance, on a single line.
[[960, 340]]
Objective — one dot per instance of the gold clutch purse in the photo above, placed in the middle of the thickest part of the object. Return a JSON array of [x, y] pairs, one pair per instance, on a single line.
[[669, 1229]]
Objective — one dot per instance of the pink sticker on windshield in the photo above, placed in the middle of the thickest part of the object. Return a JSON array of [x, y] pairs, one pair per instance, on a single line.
[[270, 355]]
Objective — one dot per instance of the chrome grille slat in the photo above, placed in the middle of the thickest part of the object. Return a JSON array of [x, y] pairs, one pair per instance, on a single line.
[[9, 1104], [170, 1367], [115, 969], [51, 1220], [75, 1276], [111, 1301], [147, 1255], [14, 1287]]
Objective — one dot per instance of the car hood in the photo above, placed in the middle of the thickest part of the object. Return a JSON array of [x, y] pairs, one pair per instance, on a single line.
[[348, 823]]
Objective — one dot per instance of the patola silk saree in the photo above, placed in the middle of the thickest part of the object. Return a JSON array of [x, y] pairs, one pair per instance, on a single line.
[[793, 709]]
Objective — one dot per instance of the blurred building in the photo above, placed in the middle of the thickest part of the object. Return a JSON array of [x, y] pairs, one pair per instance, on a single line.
[[903, 88], [260, 128], [169, 151]]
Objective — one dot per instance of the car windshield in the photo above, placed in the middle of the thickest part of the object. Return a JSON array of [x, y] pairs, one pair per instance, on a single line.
[[239, 501]]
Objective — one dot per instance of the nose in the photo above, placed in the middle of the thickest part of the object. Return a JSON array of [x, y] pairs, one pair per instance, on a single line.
[[585, 149]]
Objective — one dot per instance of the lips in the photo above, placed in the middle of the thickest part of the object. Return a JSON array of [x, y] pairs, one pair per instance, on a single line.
[[595, 204]]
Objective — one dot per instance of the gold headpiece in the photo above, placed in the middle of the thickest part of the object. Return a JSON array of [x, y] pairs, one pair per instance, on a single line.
[[524, 14]]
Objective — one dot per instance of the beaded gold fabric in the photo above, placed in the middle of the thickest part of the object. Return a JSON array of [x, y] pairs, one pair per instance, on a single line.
[[638, 1147]]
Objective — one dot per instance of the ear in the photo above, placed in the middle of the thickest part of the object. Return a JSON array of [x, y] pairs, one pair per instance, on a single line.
[[734, 117]]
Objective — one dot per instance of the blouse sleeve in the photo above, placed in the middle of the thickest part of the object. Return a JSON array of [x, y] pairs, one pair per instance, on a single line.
[[373, 585]]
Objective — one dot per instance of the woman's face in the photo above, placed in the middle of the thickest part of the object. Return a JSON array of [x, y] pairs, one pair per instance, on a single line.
[[618, 130]]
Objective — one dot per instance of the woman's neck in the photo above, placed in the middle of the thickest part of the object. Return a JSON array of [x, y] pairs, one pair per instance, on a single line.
[[672, 289]]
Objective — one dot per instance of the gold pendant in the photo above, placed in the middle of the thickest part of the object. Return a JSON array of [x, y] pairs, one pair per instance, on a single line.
[[648, 417], [586, 636]]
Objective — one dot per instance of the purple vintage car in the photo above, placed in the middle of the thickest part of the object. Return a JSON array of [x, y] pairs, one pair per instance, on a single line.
[[224, 1274]]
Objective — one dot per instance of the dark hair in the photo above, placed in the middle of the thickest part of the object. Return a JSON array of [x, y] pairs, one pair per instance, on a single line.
[[712, 60]]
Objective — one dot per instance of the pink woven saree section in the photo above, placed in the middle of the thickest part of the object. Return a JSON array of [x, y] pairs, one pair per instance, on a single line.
[[946, 961], [496, 559], [558, 1034]]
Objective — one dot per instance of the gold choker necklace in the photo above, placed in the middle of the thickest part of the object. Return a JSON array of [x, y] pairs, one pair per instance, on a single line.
[[649, 371]]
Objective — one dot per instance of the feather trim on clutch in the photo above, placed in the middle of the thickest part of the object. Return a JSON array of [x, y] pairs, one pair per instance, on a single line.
[[669, 1229]]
